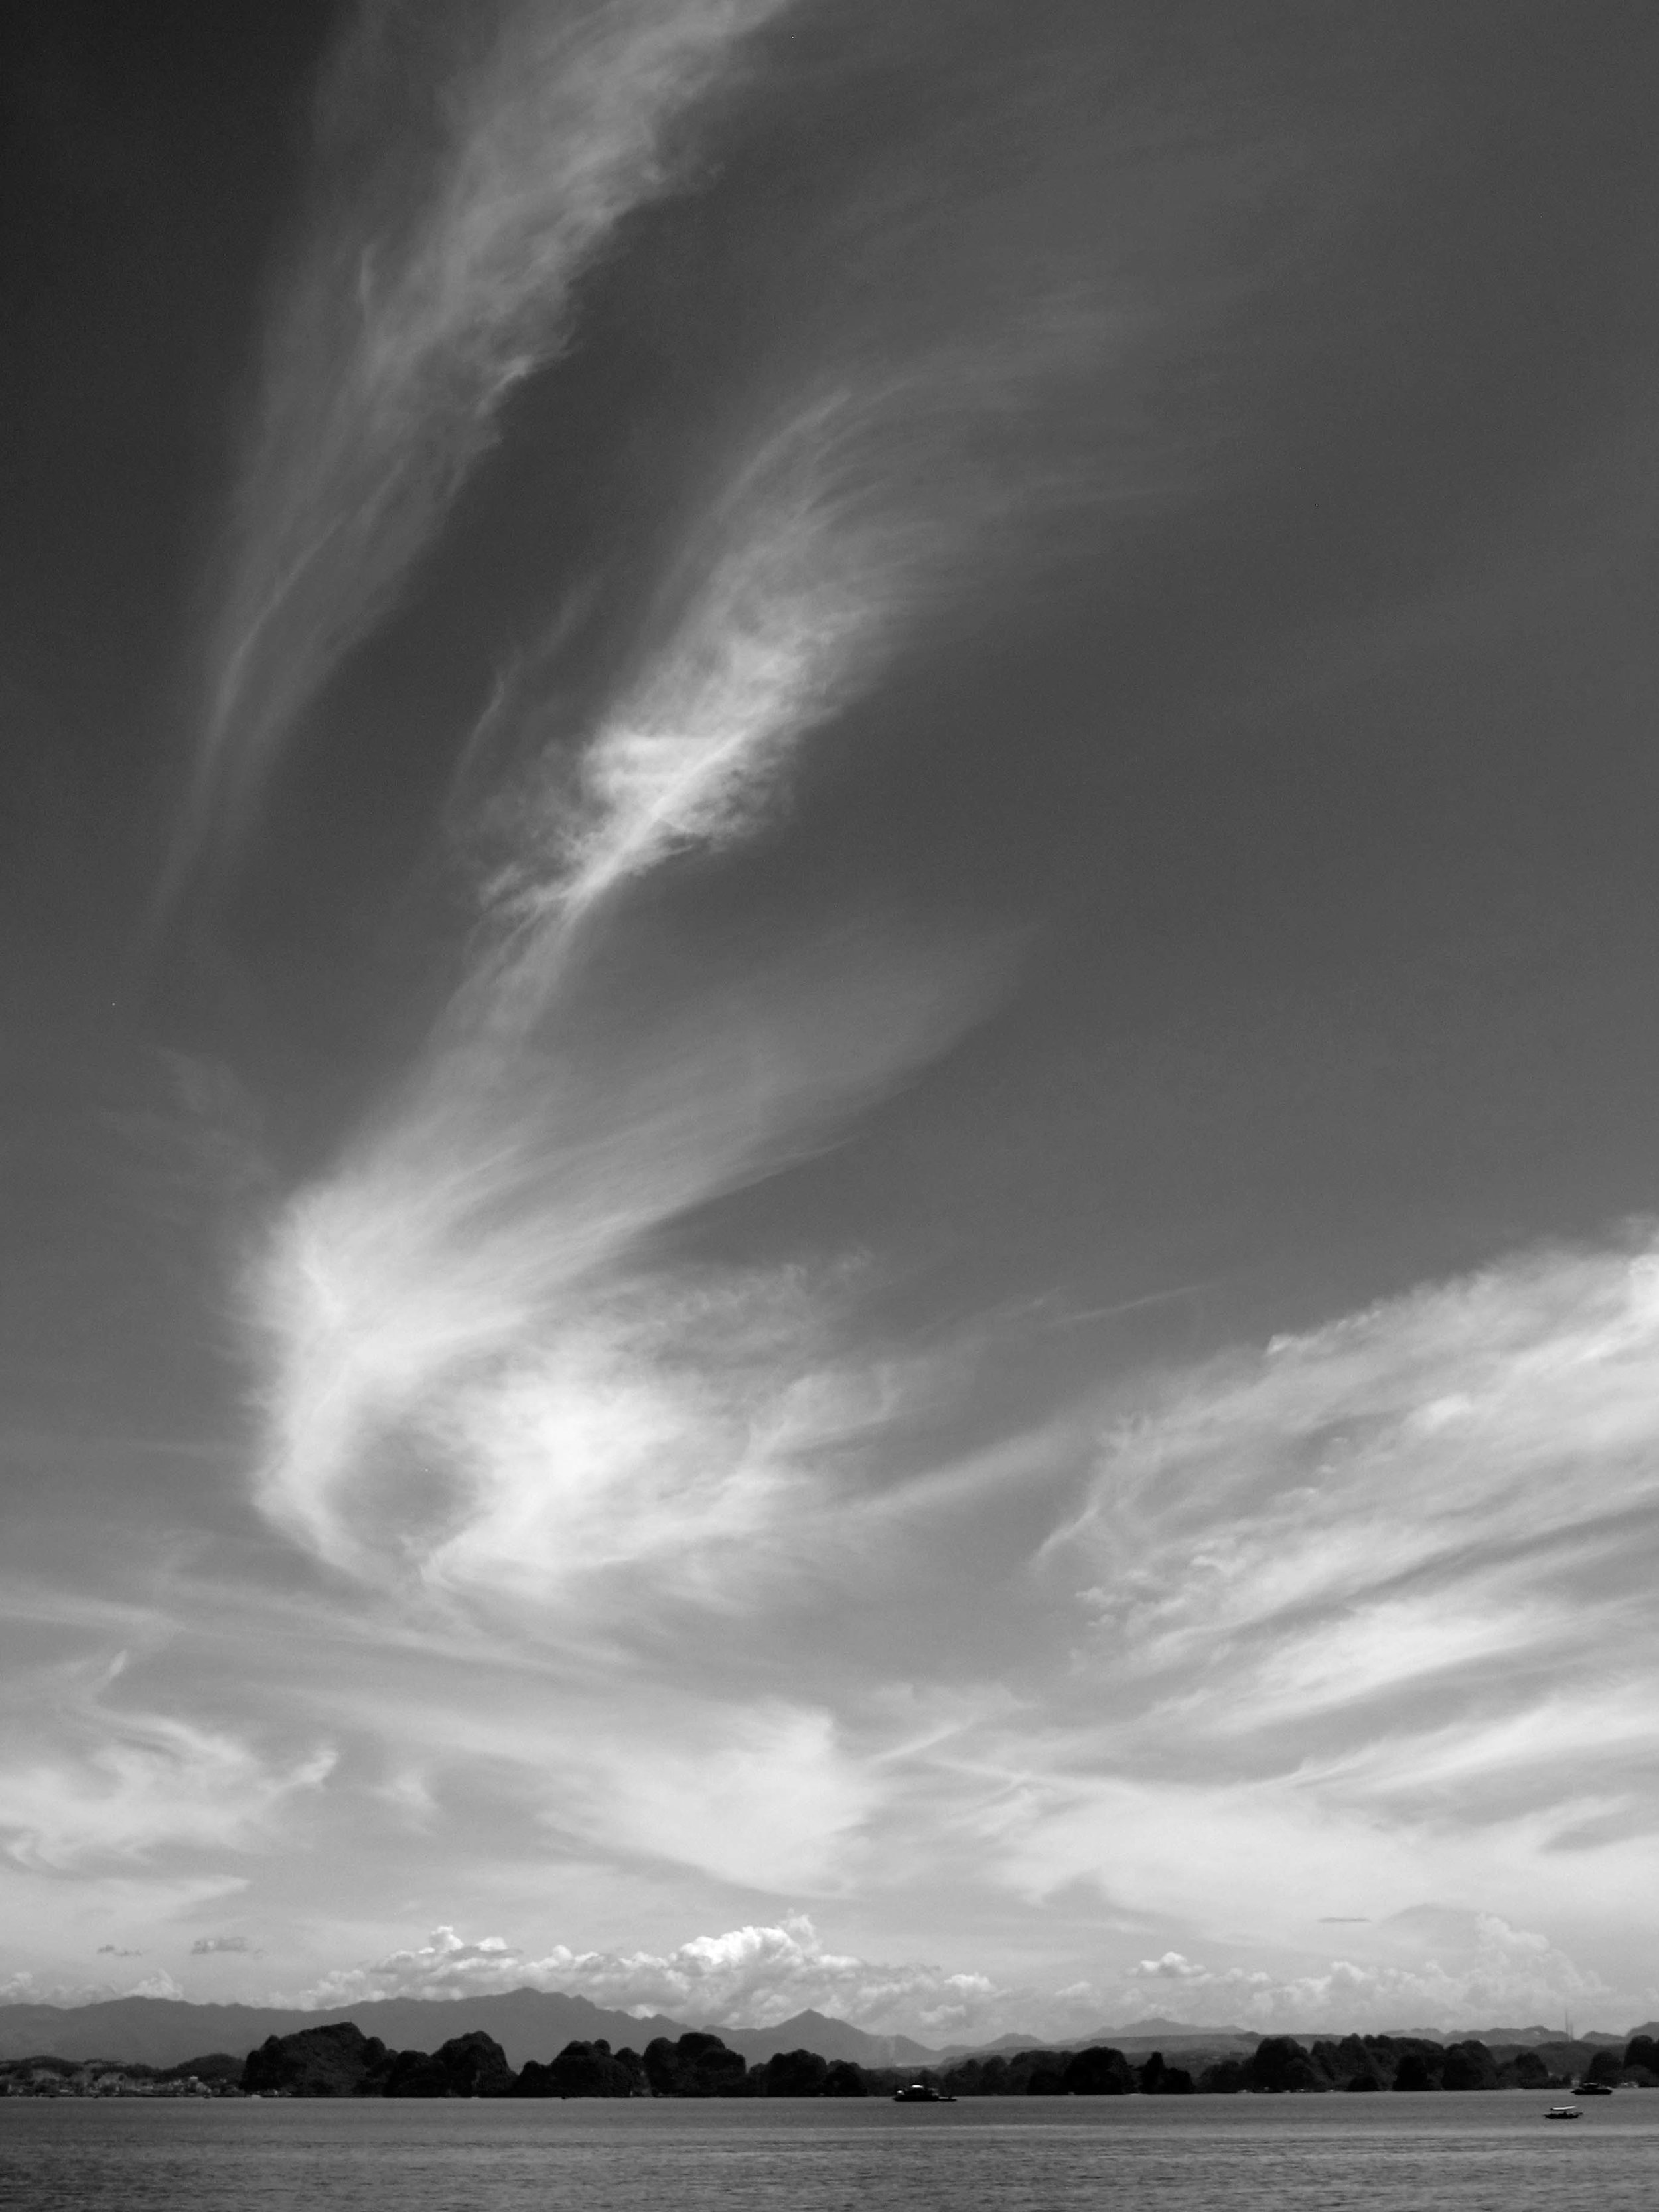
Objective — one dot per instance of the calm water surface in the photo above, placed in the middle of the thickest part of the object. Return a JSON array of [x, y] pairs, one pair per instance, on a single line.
[[1491, 2153]]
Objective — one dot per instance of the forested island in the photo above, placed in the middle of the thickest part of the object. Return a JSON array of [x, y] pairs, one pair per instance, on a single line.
[[339, 2060]]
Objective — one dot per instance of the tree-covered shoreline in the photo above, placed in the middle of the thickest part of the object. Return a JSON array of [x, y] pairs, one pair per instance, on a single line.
[[339, 2060]]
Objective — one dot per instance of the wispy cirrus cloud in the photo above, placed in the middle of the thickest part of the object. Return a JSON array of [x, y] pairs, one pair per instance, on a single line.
[[533, 1151], [773, 612], [1361, 1613], [476, 1365], [1439, 1505], [476, 1273], [86, 1783], [467, 171], [477, 1368], [1363, 1616]]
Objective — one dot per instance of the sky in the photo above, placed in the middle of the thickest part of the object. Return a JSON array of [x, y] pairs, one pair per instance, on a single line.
[[828, 958]]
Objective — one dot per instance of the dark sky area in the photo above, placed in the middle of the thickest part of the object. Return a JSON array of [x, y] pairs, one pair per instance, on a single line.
[[827, 954]]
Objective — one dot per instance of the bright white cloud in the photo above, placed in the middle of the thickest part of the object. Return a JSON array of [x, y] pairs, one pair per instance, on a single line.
[[768, 1794], [435, 274], [1338, 1732], [1427, 1517], [84, 1782], [1483, 1973], [1364, 1614], [1447, 1970], [784, 592], [753, 1975], [1366, 1621], [476, 1371], [152, 1781]]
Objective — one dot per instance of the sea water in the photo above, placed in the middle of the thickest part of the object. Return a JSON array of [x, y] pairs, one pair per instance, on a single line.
[[1454, 2153]]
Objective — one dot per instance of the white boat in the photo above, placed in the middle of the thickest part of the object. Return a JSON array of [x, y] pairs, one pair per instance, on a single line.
[[1564, 2112]]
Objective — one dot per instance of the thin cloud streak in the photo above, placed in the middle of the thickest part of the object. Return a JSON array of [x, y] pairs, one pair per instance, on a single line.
[[436, 274], [85, 1784], [1368, 1606]]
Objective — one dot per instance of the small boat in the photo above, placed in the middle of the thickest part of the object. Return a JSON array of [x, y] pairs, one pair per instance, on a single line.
[[1593, 2089], [1564, 2112], [922, 2093]]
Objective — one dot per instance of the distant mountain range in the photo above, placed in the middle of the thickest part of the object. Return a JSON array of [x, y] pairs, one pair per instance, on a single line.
[[1136, 2035], [527, 2023], [1527, 2038], [831, 2039], [538, 2023], [166, 2030]]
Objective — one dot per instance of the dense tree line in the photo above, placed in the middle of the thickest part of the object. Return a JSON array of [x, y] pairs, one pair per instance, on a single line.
[[340, 2061]]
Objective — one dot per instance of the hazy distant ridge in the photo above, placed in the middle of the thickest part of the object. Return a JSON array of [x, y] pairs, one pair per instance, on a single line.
[[537, 2023], [165, 2031], [527, 2023]]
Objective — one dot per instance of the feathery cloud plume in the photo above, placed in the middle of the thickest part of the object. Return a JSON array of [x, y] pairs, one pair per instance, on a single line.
[[85, 1782], [476, 1366], [468, 168], [421, 1295], [1367, 1614], [474, 1357]]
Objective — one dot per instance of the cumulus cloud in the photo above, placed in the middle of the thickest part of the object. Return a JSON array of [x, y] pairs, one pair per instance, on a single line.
[[1171, 1967], [468, 169], [1481, 1972], [747, 1976], [1448, 1971]]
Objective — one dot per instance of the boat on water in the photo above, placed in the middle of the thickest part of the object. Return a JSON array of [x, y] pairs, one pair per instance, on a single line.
[[1592, 2089], [921, 2093], [1563, 2112]]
